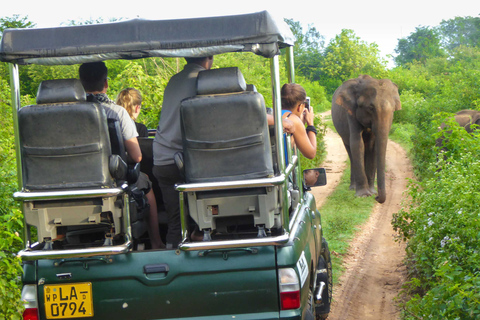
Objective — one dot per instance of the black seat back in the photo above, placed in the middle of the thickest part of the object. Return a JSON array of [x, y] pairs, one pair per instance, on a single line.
[[224, 129], [116, 139], [64, 139]]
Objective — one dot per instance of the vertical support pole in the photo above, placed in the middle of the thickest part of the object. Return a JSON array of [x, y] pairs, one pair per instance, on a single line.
[[15, 96], [15, 91], [290, 65], [291, 79], [126, 217], [277, 113], [277, 110], [183, 216]]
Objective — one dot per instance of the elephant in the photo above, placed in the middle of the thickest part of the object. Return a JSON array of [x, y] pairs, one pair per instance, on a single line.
[[362, 113], [465, 118]]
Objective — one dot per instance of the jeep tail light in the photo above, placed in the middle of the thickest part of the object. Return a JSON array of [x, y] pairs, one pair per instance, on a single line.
[[289, 289], [30, 314], [29, 297]]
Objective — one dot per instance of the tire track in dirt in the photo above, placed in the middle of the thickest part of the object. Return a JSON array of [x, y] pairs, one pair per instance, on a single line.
[[374, 269]]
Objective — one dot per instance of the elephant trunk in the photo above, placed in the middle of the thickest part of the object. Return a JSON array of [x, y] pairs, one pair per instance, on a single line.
[[381, 151]]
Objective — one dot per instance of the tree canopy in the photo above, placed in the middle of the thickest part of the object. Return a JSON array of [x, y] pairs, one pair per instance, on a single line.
[[418, 46], [460, 31], [347, 56]]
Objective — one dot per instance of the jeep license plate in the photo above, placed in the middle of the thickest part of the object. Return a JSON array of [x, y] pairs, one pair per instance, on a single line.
[[72, 300]]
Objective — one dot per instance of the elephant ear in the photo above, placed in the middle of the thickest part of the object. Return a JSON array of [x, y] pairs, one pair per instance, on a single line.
[[346, 97], [398, 103]]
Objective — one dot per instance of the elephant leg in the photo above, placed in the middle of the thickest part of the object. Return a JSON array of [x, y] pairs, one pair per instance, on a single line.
[[370, 159], [352, 177], [358, 165], [346, 143]]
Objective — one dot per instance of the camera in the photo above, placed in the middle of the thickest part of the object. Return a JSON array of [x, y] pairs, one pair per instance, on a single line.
[[307, 103]]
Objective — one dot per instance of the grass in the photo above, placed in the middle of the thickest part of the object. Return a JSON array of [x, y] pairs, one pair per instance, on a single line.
[[342, 215], [402, 133]]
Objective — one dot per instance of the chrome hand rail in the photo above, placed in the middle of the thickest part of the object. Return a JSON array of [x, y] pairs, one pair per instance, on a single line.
[[237, 184], [28, 254], [70, 194], [229, 244]]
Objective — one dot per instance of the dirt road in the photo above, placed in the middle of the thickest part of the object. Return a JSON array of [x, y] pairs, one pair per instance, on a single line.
[[374, 271]]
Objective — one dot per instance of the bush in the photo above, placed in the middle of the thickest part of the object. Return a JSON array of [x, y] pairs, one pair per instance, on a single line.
[[10, 266], [11, 220], [317, 94], [442, 225]]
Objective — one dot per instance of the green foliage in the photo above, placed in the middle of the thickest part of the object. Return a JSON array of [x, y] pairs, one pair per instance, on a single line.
[[441, 225], [347, 57], [11, 220], [135, 74], [460, 31], [402, 133], [317, 93], [439, 85], [420, 45], [15, 21], [32, 75], [255, 69], [308, 50]]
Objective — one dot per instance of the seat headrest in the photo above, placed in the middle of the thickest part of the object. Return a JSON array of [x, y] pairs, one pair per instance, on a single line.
[[218, 81], [64, 90]]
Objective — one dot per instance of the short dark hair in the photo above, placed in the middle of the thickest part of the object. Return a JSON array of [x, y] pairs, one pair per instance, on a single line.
[[93, 76], [292, 94]]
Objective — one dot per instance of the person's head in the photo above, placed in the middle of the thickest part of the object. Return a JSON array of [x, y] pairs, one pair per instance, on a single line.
[[293, 97], [311, 177], [131, 100], [205, 62], [93, 76]]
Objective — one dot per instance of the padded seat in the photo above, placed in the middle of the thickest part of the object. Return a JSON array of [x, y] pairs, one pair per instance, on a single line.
[[64, 140], [66, 157], [225, 131], [226, 138]]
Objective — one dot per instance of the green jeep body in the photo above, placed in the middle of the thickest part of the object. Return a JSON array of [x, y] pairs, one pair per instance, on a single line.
[[283, 273]]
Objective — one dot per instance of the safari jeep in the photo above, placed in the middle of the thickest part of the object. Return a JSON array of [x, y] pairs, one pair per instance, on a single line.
[[263, 255]]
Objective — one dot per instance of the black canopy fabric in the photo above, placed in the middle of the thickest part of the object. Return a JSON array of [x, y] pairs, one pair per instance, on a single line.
[[259, 33]]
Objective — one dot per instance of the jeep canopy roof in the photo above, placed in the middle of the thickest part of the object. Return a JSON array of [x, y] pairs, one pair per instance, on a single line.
[[257, 32]]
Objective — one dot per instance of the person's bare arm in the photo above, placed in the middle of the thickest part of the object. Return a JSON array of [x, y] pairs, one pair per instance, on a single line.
[[288, 126], [133, 149], [305, 141]]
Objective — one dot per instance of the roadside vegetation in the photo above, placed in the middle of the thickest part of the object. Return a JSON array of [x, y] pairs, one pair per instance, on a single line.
[[437, 72]]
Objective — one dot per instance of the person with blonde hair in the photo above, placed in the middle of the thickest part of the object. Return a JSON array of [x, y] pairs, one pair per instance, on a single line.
[[131, 100]]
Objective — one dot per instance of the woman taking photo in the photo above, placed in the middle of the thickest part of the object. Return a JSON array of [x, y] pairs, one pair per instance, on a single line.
[[294, 108]]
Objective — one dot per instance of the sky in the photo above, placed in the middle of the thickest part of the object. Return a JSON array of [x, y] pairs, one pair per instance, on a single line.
[[379, 21]]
